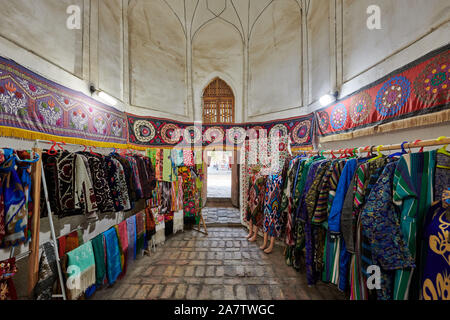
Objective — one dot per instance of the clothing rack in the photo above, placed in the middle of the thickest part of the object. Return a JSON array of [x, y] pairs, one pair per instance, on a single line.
[[416, 144]]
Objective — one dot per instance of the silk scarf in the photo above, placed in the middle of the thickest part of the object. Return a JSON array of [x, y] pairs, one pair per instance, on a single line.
[[140, 231], [131, 230], [123, 239], [80, 270], [98, 245], [113, 265]]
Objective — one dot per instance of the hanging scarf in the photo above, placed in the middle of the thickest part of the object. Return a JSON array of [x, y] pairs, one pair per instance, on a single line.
[[51, 179], [140, 231], [65, 163], [80, 270], [123, 239], [122, 256], [47, 274], [7, 270], [124, 197], [113, 266], [69, 242], [145, 177], [167, 166], [131, 231], [150, 224], [188, 157], [84, 189], [166, 195], [178, 223], [98, 245], [14, 197]]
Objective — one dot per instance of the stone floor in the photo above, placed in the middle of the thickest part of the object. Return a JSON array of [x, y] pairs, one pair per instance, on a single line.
[[219, 184], [222, 265], [215, 216]]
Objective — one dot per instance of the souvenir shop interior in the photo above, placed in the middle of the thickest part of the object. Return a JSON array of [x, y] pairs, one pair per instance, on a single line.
[[332, 174]]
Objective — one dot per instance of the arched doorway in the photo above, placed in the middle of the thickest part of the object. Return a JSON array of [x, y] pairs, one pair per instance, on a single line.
[[223, 171]]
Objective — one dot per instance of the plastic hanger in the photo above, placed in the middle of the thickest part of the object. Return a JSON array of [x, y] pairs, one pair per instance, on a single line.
[[417, 141], [443, 150], [369, 151], [401, 152], [92, 152], [52, 151], [379, 154], [85, 148], [332, 155]]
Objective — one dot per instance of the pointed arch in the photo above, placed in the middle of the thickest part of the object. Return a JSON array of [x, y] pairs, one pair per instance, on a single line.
[[218, 102]]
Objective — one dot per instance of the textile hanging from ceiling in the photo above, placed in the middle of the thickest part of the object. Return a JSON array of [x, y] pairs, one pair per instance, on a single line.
[[158, 132], [33, 107], [420, 87]]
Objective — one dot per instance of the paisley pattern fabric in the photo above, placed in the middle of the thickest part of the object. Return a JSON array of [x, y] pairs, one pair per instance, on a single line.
[[272, 213], [381, 225]]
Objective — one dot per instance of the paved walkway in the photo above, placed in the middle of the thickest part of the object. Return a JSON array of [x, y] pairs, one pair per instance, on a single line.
[[219, 183], [222, 265], [214, 216]]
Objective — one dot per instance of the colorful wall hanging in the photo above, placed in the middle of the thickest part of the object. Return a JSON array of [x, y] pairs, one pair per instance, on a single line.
[[33, 107], [149, 131], [418, 88]]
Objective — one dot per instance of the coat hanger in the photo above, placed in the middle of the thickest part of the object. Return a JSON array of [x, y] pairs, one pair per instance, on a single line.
[[417, 141], [52, 151], [401, 152], [379, 154], [332, 155], [443, 150], [92, 152]]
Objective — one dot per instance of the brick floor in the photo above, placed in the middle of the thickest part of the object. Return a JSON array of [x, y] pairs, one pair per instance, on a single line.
[[237, 270]]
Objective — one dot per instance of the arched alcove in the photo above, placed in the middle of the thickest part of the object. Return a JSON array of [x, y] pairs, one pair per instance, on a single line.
[[218, 102]]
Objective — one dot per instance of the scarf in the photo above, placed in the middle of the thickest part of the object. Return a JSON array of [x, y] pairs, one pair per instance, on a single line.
[[123, 238], [131, 231], [47, 274], [159, 164], [167, 166], [145, 173], [113, 265], [128, 171], [188, 157], [124, 196], [84, 189], [80, 270], [98, 245], [149, 223], [178, 221], [166, 197], [140, 231]]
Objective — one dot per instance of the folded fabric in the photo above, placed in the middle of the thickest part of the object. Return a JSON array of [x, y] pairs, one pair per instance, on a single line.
[[98, 245], [113, 266], [47, 274], [131, 230], [80, 270], [167, 166], [69, 242]]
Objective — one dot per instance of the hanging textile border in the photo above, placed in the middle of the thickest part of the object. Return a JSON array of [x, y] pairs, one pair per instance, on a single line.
[[32, 107], [419, 88], [166, 133]]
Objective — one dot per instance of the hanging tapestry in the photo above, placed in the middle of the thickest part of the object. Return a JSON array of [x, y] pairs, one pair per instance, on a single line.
[[33, 107], [158, 132], [113, 265], [420, 87], [80, 270]]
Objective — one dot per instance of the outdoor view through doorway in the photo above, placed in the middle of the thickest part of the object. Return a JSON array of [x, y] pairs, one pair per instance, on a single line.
[[219, 174]]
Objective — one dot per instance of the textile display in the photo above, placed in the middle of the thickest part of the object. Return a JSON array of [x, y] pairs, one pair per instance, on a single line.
[[113, 263], [178, 221], [15, 188], [159, 132], [80, 270], [33, 107], [420, 87], [48, 273], [437, 267], [8, 269], [98, 246]]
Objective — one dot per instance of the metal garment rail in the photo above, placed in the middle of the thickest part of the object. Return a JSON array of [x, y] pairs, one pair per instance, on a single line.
[[417, 144]]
